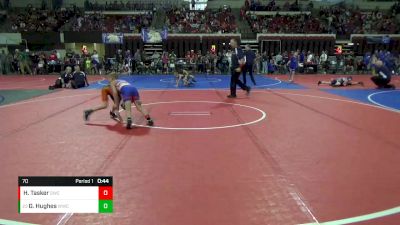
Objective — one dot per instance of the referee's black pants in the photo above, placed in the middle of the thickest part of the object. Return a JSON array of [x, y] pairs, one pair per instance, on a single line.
[[235, 81], [248, 68]]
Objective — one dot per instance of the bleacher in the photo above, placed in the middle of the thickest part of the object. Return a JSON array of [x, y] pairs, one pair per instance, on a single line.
[[250, 22]]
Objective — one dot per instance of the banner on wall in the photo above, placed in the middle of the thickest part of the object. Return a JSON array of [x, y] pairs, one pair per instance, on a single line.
[[113, 38], [378, 39], [10, 38], [154, 36]]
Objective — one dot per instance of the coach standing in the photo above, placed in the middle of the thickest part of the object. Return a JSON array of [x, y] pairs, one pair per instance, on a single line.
[[249, 66], [237, 62]]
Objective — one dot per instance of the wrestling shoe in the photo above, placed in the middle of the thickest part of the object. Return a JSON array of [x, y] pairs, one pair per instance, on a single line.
[[150, 122], [231, 96], [129, 123], [86, 114], [113, 115], [248, 91], [319, 83], [123, 106], [361, 83]]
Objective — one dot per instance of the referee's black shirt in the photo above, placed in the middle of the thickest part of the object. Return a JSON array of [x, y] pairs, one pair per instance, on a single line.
[[237, 55]]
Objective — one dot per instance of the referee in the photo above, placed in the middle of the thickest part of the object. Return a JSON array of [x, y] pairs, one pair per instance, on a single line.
[[237, 62], [249, 67]]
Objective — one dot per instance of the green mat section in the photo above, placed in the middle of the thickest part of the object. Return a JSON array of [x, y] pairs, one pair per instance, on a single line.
[[12, 96]]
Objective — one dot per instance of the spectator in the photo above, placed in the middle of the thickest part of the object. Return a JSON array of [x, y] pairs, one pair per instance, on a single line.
[[3, 62], [34, 58], [8, 63], [53, 61], [95, 61], [63, 80], [156, 62], [201, 62], [172, 61], [79, 78], [87, 65], [257, 63], [349, 63], [213, 61], [271, 64], [279, 62], [302, 56], [119, 57], [310, 58], [137, 59], [324, 61], [165, 62], [23, 60], [250, 57], [264, 59], [223, 62], [181, 20], [41, 64], [128, 61]]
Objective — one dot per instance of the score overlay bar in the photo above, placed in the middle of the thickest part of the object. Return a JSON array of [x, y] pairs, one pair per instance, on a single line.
[[65, 195]]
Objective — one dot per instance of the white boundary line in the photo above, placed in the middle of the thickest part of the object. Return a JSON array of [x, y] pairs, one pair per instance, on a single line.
[[64, 219], [379, 104], [263, 116], [172, 80], [268, 85], [296, 197], [100, 82], [333, 99], [255, 91], [357, 219], [12, 222], [190, 113]]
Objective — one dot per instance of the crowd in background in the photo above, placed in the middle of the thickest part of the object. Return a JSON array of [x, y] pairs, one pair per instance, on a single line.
[[168, 62], [92, 5], [182, 20], [26, 62], [310, 62], [396, 8], [33, 63], [33, 19], [301, 23], [41, 19], [256, 5], [111, 23], [338, 19], [344, 21]]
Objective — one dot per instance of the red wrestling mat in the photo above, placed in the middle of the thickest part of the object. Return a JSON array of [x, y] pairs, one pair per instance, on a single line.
[[276, 157]]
